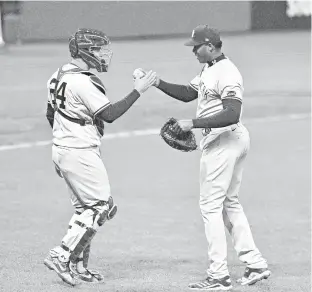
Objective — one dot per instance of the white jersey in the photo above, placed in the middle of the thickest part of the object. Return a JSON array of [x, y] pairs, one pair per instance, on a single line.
[[81, 95], [215, 83]]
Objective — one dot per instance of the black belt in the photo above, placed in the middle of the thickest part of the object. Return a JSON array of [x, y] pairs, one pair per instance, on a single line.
[[81, 122]]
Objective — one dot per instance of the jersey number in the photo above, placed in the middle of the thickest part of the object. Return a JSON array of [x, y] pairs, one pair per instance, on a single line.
[[60, 93]]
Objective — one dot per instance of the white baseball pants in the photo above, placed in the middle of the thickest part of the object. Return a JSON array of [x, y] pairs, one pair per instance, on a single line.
[[84, 173], [221, 169]]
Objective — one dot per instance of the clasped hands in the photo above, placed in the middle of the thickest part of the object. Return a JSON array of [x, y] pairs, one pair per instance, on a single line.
[[143, 81]]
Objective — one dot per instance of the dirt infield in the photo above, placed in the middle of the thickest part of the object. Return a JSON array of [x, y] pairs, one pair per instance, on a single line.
[[156, 242]]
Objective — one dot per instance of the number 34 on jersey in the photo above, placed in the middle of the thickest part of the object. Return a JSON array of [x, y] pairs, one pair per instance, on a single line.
[[60, 93]]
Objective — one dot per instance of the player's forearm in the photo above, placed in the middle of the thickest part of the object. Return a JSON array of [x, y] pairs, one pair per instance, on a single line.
[[226, 117], [116, 110], [179, 92]]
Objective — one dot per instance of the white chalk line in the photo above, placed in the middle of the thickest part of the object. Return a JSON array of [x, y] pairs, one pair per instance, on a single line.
[[150, 132]]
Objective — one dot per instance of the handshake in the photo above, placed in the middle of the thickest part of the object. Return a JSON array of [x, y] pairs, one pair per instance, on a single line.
[[144, 80]]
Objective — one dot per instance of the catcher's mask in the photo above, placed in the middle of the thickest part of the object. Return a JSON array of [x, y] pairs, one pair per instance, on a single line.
[[93, 47]]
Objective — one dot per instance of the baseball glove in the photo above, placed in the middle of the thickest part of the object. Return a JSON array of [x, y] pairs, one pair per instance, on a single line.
[[180, 140]]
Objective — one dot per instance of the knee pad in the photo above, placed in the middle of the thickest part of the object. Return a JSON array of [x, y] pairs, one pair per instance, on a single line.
[[102, 211], [106, 210]]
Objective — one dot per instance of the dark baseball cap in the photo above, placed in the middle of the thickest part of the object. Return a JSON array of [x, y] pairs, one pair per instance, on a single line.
[[204, 34]]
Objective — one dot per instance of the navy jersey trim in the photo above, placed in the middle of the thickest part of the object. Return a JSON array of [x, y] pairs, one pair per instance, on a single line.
[[96, 81], [216, 60], [101, 109], [98, 84]]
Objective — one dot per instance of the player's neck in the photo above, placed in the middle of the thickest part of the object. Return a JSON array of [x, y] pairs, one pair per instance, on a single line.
[[216, 55], [79, 63], [216, 58]]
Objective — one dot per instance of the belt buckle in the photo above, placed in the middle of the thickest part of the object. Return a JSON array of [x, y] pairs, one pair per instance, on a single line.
[[89, 122]]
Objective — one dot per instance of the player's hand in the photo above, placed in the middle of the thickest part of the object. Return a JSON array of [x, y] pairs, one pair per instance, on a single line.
[[144, 83], [183, 126], [157, 81], [139, 73]]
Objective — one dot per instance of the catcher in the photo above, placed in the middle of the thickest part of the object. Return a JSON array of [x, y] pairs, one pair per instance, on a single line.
[[225, 145], [77, 109]]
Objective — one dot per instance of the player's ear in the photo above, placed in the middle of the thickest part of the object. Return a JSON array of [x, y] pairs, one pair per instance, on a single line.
[[210, 47]]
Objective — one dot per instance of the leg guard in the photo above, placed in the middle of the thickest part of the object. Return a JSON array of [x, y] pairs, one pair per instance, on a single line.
[[84, 229], [102, 218], [86, 255], [82, 244], [82, 261], [56, 251]]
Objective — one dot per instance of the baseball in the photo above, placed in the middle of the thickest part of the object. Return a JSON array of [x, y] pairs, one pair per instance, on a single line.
[[138, 73]]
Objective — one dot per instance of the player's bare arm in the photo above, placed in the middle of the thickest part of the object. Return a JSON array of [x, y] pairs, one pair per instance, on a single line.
[[183, 93]]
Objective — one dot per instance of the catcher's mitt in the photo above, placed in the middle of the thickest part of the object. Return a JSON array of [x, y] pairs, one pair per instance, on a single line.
[[182, 140]]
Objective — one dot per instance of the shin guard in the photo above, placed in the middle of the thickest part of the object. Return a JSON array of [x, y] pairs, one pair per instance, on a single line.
[[82, 244]]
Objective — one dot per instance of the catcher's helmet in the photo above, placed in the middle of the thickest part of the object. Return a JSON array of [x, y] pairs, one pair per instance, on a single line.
[[93, 47]]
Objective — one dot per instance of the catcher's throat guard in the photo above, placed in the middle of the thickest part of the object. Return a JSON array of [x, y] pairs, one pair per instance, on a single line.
[[184, 140]]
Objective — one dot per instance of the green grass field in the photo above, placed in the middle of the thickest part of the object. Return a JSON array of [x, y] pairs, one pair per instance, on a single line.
[[156, 242]]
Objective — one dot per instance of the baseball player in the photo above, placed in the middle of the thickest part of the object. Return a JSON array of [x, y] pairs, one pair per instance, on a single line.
[[225, 144], [77, 109]]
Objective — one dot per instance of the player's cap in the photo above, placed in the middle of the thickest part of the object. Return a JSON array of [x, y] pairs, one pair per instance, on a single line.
[[204, 34]]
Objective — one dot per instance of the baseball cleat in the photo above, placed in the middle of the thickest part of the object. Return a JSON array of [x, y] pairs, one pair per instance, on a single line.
[[48, 262], [54, 253], [87, 275], [252, 276], [61, 268], [211, 284]]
